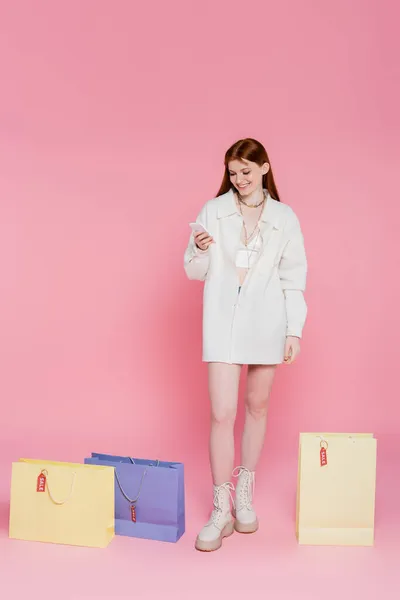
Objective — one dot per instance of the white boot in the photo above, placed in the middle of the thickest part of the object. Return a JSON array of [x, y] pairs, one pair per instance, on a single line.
[[221, 521], [245, 517]]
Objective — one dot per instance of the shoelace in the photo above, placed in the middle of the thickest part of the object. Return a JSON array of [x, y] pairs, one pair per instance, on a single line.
[[246, 491], [217, 512]]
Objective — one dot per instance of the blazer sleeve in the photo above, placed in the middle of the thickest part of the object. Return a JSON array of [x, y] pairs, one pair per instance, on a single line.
[[196, 262], [293, 275]]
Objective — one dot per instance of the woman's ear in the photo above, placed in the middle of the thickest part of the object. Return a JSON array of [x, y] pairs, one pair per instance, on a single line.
[[265, 168]]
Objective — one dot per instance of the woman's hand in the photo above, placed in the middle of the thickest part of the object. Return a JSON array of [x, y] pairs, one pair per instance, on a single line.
[[292, 349], [203, 240]]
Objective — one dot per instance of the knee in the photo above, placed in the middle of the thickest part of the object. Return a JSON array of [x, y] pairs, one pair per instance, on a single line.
[[257, 406], [223, 416]]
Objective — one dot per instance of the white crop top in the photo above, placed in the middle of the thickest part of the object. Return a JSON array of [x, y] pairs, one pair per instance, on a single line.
[[247, 257]]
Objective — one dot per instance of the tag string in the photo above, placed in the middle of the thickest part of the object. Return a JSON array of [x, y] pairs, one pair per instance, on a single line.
[[59, 503], [323, 443]]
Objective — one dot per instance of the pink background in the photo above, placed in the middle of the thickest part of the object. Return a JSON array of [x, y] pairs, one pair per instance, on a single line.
[[114, 118]]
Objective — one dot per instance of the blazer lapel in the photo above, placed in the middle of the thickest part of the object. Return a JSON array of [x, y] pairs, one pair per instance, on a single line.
[[270, 241], [231, 226]]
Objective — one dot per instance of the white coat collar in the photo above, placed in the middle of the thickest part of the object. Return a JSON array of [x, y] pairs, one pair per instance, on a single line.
[[272, 212]]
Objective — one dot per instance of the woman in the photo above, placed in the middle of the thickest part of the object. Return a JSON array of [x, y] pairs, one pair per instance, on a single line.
[[252, 260]]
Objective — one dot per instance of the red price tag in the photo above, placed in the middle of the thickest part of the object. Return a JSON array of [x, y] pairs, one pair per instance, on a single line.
[[323, 457], [41, 483], [133, 513]]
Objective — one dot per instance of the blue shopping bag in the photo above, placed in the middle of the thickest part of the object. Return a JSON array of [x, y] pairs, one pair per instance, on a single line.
[[149, 497]]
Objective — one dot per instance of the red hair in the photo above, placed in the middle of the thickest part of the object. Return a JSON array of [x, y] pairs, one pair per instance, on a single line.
[[249, 149]]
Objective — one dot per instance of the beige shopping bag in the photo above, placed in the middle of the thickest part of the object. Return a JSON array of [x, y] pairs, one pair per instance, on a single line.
[[336, 489], [63, 503]]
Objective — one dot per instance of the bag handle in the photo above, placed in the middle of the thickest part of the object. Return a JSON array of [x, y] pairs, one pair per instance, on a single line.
[[133, 462], [57, 502], [125, 495]]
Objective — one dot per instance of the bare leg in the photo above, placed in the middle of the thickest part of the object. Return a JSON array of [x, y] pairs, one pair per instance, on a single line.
[[259, 384], [223, 380]]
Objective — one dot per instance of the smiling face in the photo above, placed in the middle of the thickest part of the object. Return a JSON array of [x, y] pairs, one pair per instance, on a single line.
[[246, 176]]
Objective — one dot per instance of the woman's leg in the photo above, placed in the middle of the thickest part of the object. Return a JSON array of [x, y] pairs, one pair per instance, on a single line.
[[223, 381], [259, 384], [223, 387]]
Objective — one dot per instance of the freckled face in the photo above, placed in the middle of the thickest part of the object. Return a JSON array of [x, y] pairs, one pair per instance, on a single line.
[[247, 176]]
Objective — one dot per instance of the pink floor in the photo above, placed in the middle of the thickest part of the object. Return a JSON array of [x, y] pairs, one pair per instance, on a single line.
[[269, 564]]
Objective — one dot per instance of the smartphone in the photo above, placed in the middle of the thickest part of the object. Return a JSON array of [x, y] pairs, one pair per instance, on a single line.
[[197, 228]]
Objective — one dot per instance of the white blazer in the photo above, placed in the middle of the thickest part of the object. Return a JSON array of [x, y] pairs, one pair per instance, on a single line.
[[250, 327]]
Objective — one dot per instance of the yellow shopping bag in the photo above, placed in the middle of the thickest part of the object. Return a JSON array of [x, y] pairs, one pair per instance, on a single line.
[[63, 503], [336, 489]]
